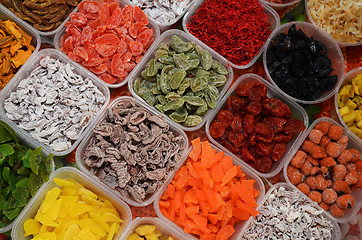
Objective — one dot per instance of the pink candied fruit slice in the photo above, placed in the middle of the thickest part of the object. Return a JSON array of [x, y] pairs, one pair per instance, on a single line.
[[93, 24], [99, 69], [104, 14], [88, 6], [127, 57], [81, 52], [105, 50], [112, 7], [108, 38], [127, 14], [134, 29], [78, 19], [108, 78], [139, 16], [129, 66], [115, 18], [121, 30], [92, 16], [86, 35], [74, 57], [122, 47], [99, 31], [68, 44], [145, 37], [136, 48]]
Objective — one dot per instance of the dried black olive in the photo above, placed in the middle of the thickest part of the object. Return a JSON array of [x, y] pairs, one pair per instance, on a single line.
[[300, 65]]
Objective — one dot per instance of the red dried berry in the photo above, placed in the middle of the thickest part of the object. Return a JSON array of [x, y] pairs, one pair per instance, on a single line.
[[236, 138], [263, 165], [351, 178], [278, 151], [315, 196], [266, 139], [226, 117], [294, 176], [246, 154], [217, 129], [323, 127], [339, 172], [275, 107], [325, 140], [293, 126], [276, 124], [329, 196], [341, 187], [318, 152], [345, 157], [264, 149], [254, 95], [345, 201], [248, 123], [355, 154], [304, 188], [298, 159], [237, 124], [254, 108], [315, 136], [308, 146], [262, 128], [280, 137]]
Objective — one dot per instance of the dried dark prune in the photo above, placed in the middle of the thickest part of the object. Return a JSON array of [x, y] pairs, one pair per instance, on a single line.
[[300, 65]]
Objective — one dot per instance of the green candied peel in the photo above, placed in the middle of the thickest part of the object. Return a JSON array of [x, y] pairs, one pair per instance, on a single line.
[[183, 81], [22, 172]]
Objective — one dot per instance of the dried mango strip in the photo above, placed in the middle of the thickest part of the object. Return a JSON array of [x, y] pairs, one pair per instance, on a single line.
[[15, 49]]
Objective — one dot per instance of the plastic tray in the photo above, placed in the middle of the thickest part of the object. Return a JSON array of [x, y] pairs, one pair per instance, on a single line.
[[297, 112], [151, 24], [162, 226], [29, 66], [333, 50], [286, 7], [6, 14], [67, 173], [273, 19], [337, 232], [84, 168], [340, 43], [11, 225], [165, 26], [165, 38], [347, 78], [30, 26], [352, 143], [259, 185]]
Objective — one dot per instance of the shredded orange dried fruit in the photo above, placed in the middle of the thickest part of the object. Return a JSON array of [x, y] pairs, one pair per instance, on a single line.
[[15, 49]]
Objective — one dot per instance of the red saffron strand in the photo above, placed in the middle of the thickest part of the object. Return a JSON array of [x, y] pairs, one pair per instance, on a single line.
[[236, 29]]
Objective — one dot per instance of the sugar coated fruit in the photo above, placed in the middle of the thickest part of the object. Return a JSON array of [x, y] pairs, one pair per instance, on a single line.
[[148, 232]]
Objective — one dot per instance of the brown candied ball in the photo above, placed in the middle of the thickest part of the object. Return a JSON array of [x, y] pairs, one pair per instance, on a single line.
[[335, 132], [339, 172], [325, 140], [323, 127], [328, 162], [351, 178], [345, 201], [311, 182], [355, 154], [329, 196], [315, 136], [334, 149], [295, 177], [345, 157], [313, 160], [299, 159], [318, 152], [325, 206], [304, 188], [336, 211], [315, 196], [341, 187], [308, 145], [321, 182], [308, 169], [350, 166]]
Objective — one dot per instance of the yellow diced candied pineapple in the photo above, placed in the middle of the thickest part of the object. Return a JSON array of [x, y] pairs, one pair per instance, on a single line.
[[135, 236], [350, 117], [31, 227], [72, 231], [49, 200], [145, 229], [63, 183], [110, 217]]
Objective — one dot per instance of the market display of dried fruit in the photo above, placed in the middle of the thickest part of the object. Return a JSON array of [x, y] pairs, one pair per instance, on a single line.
[[15, 49], [254, 127], [43, 15], [107, 39], [326, 169], [300, 65]]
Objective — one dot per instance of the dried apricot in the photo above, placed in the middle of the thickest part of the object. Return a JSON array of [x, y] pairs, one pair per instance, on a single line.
[[298, 159], [315, 196], [333, 149], [335, 132], [315, 136], [351, 178], [325, 140], [336, 211], [339, 172], [355, 154], [329, 196], [323, 127], [345, 201], [304, 188]]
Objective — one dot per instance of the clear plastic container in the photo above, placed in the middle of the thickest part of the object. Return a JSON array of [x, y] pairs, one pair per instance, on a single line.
[[297, 112], [285, 7], [340, 43], [258, 185], [151, 24], [165, 38], [347, 78], [336, 233], [162, 226], [24, 72], [352, 143], [29, 26], [273, 19], [333, 51], [71, 173], [10, 226], [79, 155], [6, 14], [165, 26]]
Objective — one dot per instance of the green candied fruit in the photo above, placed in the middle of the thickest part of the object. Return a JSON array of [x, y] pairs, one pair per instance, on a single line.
[[160, 53], [173, 104], [201, 111], [217, 80], [192, 120], [181, 61], [179, 116], [180, 45], [202, 73], [211, 96], [194, 100], [206, 58], [193, 55], [159, 107], [151, 69], [161, 99], [171, 96], [199, 83], [146, 94], [166, 59], [194, 63], [176, 78], [184, 85], [219, 68]]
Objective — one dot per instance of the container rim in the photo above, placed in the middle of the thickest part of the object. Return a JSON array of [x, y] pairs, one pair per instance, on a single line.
[[280, 5]]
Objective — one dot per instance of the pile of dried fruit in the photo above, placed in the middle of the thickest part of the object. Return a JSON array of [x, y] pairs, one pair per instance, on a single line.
[[349, 103], [340, 19], [43, 15], [300, 65], [107, 39], [287, 214], [73, 212], [254, 127], [325, 171], [182, 81], [209, 194], [22, 173], [149, 232], [133, 151], [15, 49]]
